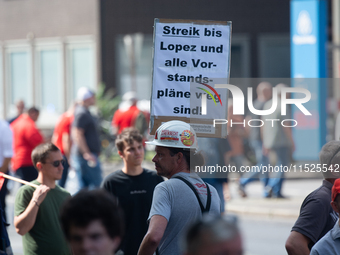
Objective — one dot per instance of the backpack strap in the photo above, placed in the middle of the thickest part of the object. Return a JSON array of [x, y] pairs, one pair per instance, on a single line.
[[207, 208]]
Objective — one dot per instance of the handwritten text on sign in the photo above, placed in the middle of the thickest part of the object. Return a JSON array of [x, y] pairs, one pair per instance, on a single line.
[[185, 53]]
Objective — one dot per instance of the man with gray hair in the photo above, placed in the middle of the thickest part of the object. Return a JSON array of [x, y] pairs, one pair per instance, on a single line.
[[316, 214], [214, 235]]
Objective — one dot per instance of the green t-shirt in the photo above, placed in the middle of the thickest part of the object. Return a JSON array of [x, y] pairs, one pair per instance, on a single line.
[[46, 236]]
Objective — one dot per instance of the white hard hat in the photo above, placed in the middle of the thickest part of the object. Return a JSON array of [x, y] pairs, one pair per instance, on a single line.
[[175, 134]]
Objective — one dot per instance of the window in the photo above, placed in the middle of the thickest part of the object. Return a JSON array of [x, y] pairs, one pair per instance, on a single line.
[[240, 56], [19, 77], [81, 67], [274, 56], [142, 69], [49, 69]]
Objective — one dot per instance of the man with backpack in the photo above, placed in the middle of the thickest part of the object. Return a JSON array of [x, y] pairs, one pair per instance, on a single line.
[[182, 199], [129, 115]]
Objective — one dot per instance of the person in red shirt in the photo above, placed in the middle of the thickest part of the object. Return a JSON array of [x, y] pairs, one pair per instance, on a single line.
[[124, 117], [26, 138], [62, 139]]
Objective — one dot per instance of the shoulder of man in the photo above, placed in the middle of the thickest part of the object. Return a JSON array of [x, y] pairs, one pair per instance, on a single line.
[[324, 245], [63, 190], [26, 189], [112, 178], [321, 195]]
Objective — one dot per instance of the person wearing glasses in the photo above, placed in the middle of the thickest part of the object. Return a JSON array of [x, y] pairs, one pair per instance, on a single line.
[[37, 210], [316, 214]]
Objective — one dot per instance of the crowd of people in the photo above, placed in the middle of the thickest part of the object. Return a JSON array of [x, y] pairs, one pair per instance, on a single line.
[[140, 211], [132, 211]]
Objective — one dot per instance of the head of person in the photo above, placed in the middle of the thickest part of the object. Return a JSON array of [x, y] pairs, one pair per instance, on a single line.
[[264, 91], [214, 236], [336, 196], [330, 160], [33, 113], [130, 98], [92, 222], [20, 106], [48, 160], [176, 149], [130, 146], [86, 97]]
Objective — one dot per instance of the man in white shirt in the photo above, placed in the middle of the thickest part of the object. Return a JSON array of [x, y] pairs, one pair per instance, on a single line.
[[6, 153]]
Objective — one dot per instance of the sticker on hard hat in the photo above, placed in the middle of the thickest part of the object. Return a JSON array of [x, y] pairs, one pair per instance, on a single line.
[[187, 138], [168, 135]]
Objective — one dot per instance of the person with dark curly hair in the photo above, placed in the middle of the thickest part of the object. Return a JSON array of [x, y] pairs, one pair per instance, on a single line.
[[92, 223]]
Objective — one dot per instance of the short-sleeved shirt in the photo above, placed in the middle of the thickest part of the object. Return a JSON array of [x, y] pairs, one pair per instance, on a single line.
[[316, 214], [26, 138], [175, 201], [124, 119], [329, 244], [84, 120], [134, 194], [63, 126], [46, 236]]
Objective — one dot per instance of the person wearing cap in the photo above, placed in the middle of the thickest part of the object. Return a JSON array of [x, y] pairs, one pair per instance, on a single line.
[[126, 114], [86, 143], [330, 243], [183, 198], [317, 216]]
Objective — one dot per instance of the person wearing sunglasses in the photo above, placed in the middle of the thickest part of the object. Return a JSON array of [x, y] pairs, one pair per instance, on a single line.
[[37, 209]]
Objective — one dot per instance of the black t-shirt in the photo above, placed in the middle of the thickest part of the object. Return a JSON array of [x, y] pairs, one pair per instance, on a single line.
[[316, 214], [84, 120], [135, 197]]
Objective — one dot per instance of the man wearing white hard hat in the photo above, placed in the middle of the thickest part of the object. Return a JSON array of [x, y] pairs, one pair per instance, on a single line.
[[87, 145], [183, 198]]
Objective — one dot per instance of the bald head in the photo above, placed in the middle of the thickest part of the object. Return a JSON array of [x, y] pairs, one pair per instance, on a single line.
[[214, 236]]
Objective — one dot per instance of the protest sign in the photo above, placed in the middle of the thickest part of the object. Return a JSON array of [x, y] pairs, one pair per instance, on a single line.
[[189, 56]]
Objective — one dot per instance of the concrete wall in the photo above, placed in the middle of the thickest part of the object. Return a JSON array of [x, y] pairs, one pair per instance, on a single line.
[[50, 18]]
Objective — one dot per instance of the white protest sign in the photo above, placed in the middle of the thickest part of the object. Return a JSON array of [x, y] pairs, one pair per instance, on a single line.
[[188, 56]]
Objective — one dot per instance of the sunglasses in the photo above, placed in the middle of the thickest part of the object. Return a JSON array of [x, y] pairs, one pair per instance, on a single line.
[[56, 163]]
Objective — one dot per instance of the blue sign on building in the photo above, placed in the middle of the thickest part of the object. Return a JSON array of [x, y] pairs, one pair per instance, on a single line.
[[308, 67]]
